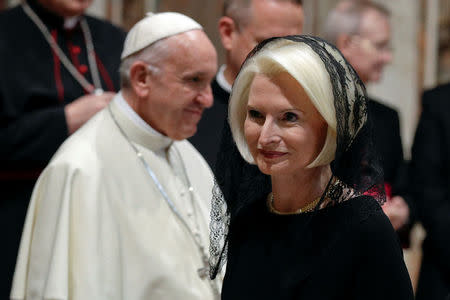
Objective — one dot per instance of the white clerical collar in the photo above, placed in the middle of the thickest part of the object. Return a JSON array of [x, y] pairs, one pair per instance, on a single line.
[[126, 109], [71, 22], [220, 78]]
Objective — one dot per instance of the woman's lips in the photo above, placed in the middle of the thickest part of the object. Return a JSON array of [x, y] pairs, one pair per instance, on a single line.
[[271, 154]]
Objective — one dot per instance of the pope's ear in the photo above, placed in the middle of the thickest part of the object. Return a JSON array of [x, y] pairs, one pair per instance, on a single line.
[[140, 79], [227, 29]]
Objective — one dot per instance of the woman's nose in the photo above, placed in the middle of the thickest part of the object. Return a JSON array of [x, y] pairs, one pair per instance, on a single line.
[[269, 133]]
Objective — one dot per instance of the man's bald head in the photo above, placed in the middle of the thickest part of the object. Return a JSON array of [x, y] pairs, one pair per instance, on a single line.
[[241, 10], [245, 23]]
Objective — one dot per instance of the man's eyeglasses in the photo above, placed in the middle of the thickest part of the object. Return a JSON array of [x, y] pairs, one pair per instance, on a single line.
[[367, 44]]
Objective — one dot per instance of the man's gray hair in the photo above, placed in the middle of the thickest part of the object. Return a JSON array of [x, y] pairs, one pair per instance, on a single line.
[[240, 10], [346, 18], [153, 55]]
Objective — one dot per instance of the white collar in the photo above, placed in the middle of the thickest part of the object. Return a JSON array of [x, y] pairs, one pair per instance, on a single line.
[[155, 136], [220, 78], [71, 22]]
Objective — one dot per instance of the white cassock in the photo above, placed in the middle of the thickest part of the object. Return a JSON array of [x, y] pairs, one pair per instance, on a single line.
[[98, 227]]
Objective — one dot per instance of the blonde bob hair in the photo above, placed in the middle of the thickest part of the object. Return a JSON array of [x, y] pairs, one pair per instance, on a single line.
[[306, 67]]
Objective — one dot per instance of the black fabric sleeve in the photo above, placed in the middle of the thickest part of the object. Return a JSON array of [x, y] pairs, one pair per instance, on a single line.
[[429, 173], [397, 152], [33, 137], [382, 273], [401, 188], [400, 183]]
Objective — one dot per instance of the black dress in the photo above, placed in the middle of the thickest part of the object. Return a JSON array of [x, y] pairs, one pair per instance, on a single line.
[[348, 251]]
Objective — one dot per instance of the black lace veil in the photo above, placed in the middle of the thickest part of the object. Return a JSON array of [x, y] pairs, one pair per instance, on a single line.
[[239, 184]]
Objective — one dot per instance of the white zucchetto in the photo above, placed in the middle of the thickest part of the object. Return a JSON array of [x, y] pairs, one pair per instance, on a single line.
[[155, 27]]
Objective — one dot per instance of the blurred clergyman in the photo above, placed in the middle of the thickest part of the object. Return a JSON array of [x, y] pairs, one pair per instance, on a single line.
[[362, 32], [58, 67]]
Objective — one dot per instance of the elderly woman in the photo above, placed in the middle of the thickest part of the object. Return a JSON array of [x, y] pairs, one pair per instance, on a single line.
[[306, 223]]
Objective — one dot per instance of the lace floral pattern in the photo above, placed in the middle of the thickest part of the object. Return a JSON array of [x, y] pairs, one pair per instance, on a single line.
[[220, 221]]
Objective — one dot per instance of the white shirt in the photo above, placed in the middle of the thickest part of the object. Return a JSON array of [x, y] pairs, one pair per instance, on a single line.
[[221, 80]]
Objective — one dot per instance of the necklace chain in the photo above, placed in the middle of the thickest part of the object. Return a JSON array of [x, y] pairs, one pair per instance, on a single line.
[[336, 192], [203, 271], [307, 208], [62, 56]]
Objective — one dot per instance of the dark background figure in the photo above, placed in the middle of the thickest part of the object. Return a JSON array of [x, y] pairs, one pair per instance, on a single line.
[[41, 103], [430, 183], [361, 30], [243, 25]]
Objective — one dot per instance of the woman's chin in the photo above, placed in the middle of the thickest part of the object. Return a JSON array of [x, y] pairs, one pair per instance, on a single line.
[[272, 169]]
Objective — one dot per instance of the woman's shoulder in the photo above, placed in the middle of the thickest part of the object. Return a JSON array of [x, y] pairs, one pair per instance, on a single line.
[[369, 222], [367, 214], [377, 252], [363, 214], [363, 207], [356, 209]]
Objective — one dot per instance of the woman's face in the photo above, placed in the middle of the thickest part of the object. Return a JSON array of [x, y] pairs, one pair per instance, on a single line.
[[283, 129]]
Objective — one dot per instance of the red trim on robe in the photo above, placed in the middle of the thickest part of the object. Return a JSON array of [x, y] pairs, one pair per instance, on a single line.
[[76, 61], [57, 69], [104, 74], [74, 57]]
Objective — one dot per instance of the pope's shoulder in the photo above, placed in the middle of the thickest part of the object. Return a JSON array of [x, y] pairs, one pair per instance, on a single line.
[[83, 149], [80, 151]]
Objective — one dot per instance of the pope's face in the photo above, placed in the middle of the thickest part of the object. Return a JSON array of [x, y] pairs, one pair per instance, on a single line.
[[181, 91], [283, 129], [66, 8]]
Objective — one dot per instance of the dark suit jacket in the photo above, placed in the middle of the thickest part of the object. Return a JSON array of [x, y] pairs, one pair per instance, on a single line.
[[430, 182], [208, 137], [388, 144], [387, 139]]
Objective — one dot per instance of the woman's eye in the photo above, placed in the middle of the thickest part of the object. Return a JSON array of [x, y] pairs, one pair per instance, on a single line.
[[290, 117], [254, 114]]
